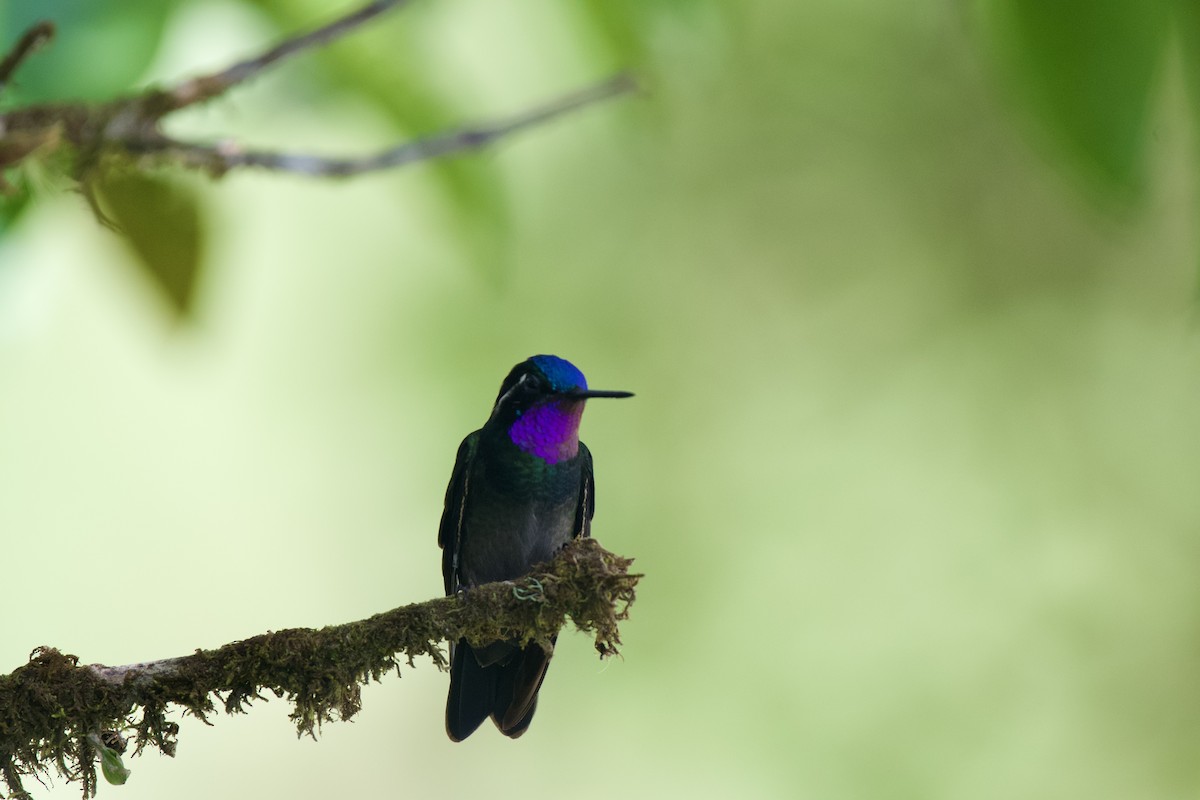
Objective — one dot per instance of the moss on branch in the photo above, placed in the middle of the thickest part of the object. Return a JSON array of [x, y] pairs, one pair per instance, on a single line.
[[52, 709]]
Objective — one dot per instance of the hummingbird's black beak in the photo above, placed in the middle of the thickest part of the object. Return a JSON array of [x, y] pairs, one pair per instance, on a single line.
[[583, 394]]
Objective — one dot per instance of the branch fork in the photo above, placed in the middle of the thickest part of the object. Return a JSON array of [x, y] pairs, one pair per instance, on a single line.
[[129, 128]]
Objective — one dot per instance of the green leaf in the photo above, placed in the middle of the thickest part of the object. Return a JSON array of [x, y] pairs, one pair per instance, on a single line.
[[470, 183], [1187, 22], [113, 767], [161, 221], [1087, 69], [617, 25], [382, 64], [13, 204], [99, 48], [110, 759]]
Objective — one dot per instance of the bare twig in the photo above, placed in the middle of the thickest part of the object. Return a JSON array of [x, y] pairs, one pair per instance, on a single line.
[[206, 87], [129, 129], [31, 40], [223, 157]]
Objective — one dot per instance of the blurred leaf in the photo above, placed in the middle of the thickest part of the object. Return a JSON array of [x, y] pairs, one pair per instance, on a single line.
[[617, 24], [99, 49], [1087, 68], [161, 221], [13, 205], [381, 63], [628, 26], [1187, 22]]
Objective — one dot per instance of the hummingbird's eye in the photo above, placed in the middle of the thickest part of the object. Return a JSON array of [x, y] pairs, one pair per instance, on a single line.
[[534, 383]]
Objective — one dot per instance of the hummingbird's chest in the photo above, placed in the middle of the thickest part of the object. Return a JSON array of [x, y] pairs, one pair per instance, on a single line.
[[515, 516]]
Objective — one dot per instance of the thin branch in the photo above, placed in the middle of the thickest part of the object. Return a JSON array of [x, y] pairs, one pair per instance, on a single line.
[[40, 34], [206, 87], [53, 709], [128, 129], [221, 158]]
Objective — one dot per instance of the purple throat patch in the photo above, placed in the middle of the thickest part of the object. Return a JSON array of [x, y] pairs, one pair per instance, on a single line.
[[549, 431]]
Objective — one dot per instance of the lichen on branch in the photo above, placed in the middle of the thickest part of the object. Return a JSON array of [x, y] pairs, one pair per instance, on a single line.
[[53, 709]]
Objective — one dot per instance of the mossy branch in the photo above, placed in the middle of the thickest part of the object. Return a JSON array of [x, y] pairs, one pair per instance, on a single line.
[[56, 713]]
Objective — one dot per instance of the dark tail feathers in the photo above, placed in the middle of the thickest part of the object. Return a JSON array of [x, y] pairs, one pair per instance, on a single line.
[[506, 689]]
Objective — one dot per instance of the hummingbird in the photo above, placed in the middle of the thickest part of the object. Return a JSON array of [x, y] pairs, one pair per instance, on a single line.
[[522, 488]]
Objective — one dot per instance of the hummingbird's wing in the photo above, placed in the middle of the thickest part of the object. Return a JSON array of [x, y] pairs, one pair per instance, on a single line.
[[450, 529], [472, 688], [587, 494]]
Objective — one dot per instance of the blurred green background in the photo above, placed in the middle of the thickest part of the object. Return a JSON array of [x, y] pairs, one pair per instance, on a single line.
[[907, 293]]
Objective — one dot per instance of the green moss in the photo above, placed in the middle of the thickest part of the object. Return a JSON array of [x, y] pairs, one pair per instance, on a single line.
[[49, 707]]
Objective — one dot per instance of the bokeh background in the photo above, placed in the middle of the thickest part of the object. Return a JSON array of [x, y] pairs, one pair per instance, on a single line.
[[907, 294]]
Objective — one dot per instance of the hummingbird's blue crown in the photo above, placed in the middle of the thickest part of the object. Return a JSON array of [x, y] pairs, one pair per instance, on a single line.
[[562, 374]]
